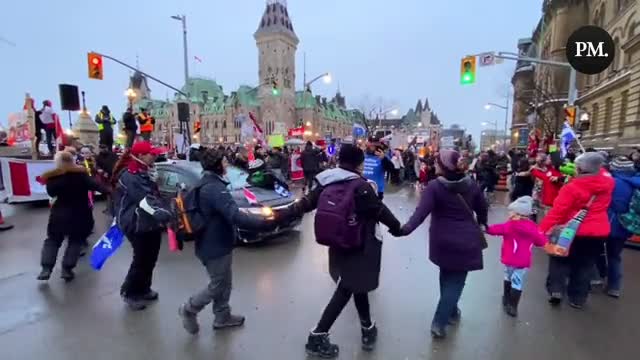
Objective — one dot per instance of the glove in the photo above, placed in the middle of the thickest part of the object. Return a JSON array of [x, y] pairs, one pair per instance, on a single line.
[[397, 232]]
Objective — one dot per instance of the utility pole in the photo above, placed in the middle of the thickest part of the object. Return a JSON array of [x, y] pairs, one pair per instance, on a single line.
[[183, 19]]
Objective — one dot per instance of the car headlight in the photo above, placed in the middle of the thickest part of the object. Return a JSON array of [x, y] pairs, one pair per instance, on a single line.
[[264, 211]]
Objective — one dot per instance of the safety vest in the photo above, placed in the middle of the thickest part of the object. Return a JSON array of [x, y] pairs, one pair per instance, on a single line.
[[145, 122], [197, 127], [101, 123]]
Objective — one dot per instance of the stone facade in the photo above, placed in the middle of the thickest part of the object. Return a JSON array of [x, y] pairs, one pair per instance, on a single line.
[[217, 111], [611, 99]]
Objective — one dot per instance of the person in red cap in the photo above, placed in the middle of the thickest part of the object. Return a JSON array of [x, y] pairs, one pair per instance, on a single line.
[[141, 214]]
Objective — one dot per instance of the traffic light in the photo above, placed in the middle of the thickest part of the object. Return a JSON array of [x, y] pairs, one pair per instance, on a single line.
[[468, 70], [570, 115], [95, 66], [274, 88]]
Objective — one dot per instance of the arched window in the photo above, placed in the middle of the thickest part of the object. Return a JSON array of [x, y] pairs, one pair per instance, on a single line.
[[215, 124], [224, 124]]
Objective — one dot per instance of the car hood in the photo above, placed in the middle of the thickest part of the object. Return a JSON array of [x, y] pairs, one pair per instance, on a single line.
[[265, 197]]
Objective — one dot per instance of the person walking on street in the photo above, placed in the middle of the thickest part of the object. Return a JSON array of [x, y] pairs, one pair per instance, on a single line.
[[106, 122], [627, 181], [310, 159], [69, 186], [214, 247], [519, 234], [47, 117], [130, 126], [455, 237], [376, 164], [356, 270], [147, 123], [590, 190], [141, 214]]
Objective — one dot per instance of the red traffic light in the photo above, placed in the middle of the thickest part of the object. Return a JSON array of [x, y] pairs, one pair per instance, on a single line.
[[95, 66]]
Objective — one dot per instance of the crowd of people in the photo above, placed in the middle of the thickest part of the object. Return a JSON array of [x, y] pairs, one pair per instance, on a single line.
[[347, 190]]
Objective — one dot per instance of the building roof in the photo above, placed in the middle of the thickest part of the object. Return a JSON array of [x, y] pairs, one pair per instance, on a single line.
[[276, 20]]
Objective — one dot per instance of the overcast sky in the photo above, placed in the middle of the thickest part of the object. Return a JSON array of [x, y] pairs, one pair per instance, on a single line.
[[397, 50]]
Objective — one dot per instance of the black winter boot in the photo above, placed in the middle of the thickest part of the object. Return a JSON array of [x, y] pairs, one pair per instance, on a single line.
[[318, 344], [45, 274], [67, 274], [514, 299], [506, 292], [369, 337]]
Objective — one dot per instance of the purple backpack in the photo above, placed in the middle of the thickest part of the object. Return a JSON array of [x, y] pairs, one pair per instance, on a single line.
[[336, 222]]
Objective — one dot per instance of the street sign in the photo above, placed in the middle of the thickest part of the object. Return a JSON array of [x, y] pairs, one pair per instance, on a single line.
[[487, 59]]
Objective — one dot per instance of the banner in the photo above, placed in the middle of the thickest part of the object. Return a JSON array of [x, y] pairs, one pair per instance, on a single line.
[[296, 167], [276, 141], [296, 131]]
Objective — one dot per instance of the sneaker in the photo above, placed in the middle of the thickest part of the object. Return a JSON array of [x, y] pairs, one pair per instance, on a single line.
[[135, 303], [228, 321], [44, 275], [455, 318], [438, 332], [189, 320], [597, 283], [613, 293], [318, 344], [67, 275], [150, 296], [555, 298], [369, 337], [576, 305]]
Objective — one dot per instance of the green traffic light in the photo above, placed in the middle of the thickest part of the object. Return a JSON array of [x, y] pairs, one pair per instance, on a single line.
[[467, 79], [275, 92]]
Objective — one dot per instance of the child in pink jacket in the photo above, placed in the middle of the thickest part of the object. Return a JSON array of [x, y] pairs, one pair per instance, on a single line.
[[519, 234]]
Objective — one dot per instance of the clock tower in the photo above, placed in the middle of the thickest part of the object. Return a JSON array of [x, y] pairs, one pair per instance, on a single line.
[[277, 44]]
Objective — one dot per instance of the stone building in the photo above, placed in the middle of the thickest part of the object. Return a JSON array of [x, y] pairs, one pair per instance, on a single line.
[[611, 99], [277, 111]]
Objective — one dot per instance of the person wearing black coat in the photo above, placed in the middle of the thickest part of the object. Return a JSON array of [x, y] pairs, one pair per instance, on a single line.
[[356, 272], [141, 213], [214, 246], [130, 126], [524, 182], [71, 214], [310, 159]]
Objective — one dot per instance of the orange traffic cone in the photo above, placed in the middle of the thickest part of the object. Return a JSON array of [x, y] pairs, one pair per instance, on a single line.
[[3, 225]]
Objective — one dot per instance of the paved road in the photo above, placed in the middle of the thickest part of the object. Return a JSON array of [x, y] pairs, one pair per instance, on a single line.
[[282, 287]]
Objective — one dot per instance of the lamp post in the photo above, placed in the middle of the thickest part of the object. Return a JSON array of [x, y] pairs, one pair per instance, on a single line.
[[183, 19], [326, 77], [131, 96], [506, 114]]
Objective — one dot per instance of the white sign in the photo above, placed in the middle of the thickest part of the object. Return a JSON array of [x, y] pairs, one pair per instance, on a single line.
[[487, 59], [446, 142], [279, 128]]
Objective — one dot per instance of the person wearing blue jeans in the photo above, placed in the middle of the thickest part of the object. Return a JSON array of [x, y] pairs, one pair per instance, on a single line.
[[451, 286]]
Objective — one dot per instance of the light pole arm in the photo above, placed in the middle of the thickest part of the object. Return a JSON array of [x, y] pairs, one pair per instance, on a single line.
[[498, 106], [315, 79]]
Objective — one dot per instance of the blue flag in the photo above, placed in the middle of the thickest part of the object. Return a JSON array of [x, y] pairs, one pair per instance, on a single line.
[[566, 138], [106, 246]]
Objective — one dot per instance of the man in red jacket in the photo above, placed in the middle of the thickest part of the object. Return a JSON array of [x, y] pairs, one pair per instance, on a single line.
[[549, 180], [593, 185]]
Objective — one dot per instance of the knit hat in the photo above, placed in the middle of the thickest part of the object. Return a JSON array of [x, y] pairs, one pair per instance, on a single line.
[[350, 155], [622, 163], [522, 206], [448, 159], [589, 163]]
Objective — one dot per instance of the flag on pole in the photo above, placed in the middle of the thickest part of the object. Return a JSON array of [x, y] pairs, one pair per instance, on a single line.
[[197, 59], [60, 136], [106, 246], [567, 136], [257, 130]]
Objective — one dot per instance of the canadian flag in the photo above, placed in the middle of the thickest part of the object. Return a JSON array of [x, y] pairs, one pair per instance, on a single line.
[[251, 197], [257, 130], [61, 140], [23, 182]]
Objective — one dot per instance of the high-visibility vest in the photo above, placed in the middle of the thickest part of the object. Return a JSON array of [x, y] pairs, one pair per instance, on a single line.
[[101, 123], [145, 123]]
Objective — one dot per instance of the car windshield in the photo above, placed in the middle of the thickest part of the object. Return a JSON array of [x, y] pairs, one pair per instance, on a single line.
[[237, 177]]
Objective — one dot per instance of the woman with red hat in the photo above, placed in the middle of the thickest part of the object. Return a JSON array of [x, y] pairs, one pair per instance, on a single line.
[[141, 214]]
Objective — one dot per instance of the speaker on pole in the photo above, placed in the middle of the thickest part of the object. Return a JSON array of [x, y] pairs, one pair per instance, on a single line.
[[183, 112], [69, 99]]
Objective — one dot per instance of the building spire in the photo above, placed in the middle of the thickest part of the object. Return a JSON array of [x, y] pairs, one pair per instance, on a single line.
[[276, 20]]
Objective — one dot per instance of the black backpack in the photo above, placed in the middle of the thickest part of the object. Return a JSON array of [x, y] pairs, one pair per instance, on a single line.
[[190, 221]]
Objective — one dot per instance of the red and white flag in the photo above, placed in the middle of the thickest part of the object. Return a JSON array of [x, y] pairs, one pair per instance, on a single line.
[[251, 197], [23, 182], [257, 130], [60, 135]]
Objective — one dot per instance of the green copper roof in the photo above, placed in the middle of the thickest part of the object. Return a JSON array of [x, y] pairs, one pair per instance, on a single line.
[[305, 100], [247, 96], [196, 86]]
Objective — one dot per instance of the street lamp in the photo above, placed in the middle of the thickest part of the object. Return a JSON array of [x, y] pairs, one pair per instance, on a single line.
[[326, 77], [131, 95], [506, 113], [183, 19], [308, 123]]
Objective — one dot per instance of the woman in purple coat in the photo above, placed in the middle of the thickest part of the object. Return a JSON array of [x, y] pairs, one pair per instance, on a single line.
[[455, 238]]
